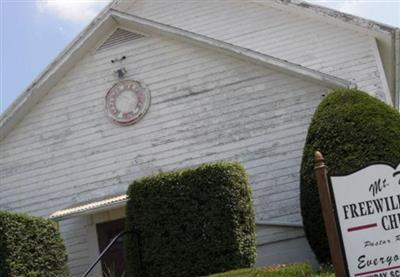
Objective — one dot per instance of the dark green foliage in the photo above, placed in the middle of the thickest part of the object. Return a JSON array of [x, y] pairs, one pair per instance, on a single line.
[[351, 129], [193, 222], [30, 247]]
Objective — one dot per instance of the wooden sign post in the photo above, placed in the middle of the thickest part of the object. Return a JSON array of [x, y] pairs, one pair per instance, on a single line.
[[321, 174], [361, 213]]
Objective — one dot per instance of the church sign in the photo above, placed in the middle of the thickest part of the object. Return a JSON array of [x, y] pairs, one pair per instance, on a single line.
[[368, 212], [362, 218]]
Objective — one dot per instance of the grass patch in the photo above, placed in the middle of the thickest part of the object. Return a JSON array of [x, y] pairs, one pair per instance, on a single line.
[[289, 270]]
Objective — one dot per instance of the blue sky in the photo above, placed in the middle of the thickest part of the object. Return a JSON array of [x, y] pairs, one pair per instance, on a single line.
[[33, 32]]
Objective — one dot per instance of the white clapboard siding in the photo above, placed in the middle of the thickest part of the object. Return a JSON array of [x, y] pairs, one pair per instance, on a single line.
[[75, 235], [206, 106], [316, 44], [286, 251]]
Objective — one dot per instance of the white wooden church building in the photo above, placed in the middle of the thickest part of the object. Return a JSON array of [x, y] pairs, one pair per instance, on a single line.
[[154, 86]]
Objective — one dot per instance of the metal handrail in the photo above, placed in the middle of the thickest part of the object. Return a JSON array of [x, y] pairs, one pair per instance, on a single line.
[[104, 251]]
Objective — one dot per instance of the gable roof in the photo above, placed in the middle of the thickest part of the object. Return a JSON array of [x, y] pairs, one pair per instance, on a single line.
[[387, 37], [384, 39], [108, 20]]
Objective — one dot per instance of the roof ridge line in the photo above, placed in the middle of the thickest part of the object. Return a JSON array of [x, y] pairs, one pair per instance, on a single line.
[[77, 39], [355, 20]]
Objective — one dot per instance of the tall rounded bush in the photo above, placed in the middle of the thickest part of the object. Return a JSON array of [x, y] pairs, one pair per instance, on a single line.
[[351, 129]]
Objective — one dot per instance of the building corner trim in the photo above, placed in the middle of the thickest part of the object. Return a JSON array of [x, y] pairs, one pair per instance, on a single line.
[[397, 68], [382, 74]]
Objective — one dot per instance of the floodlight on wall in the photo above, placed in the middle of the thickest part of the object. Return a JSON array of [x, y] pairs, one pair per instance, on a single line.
[[120, 73]]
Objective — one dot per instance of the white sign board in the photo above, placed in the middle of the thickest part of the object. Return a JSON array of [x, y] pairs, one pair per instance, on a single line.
[[368, 213]]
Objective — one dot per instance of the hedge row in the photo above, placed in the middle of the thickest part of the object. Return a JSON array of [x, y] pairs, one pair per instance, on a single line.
[[192, 222], [351, 129], [30, 247]]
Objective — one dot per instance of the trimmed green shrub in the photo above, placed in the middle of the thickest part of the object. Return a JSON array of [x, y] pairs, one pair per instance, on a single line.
[[30, 247], [351, 129], [192, 222]]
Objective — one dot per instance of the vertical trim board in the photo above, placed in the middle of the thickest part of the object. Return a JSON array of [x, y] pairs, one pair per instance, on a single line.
[[374, 45]]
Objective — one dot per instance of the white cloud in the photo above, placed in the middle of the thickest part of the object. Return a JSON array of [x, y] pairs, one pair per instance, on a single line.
[[387, 11], [76, 11]]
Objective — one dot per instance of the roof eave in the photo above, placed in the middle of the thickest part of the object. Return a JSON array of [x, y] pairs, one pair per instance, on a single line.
[[362, 24], [52, 73], [384, 34], [132, 21], [105, 23], [90, 208]]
